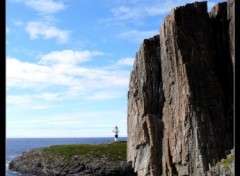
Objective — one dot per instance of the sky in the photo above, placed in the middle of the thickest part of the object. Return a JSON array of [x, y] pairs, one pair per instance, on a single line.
[[68, 63]]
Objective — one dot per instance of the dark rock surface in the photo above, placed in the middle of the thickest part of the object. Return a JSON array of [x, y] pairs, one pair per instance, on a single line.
[[180, 99], [224, 167], [144, 109], [231, 19], [38, 162]]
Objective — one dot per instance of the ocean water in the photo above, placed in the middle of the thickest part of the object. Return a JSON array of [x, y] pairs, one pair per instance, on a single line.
[[15, 146]]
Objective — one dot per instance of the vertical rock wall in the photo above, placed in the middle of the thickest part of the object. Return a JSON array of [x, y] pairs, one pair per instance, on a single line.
[[144, 110], [222, 52], [194, 115], [231, 19], [180, 100]]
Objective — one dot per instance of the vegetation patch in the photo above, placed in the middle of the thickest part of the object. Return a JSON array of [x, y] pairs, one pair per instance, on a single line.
[[227, 161], [113, 150], [77, 159]]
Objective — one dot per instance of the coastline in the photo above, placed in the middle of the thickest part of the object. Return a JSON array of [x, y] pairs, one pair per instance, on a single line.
[[76, 159], [16, 146]]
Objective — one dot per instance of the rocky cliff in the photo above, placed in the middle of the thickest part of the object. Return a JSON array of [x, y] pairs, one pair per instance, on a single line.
[[180, 99]]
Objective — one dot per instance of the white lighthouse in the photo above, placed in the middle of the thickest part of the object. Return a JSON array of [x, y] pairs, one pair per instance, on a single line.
[[116, 131]]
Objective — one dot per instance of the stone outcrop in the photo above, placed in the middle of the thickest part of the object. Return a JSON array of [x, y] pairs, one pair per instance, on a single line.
[[145, 99], [59, 162], [180, 99]]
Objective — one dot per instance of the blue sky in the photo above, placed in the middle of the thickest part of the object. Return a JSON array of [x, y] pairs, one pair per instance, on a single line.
[[68, 63]]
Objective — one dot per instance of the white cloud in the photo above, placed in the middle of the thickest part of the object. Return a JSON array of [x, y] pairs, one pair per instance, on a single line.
[[38, 29], [50, 96], [30, 102], [76, 124], [104, 95], [19, 99], [7, 30], [142, 10], [125, 13], [34, 101], [25, 74], [75, 117], [137, 36], [18, 23], [43, 6], [135, 13], [68, 57], [71, 79], [159, 9], [126, 61]]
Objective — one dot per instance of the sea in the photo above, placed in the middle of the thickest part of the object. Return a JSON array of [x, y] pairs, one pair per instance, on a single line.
[[16, 146]]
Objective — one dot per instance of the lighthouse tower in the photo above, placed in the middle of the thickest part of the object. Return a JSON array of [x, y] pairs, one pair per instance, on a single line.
[[116, 131]]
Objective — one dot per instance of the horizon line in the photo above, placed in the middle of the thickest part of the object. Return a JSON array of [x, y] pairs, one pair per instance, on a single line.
[[66, 137]]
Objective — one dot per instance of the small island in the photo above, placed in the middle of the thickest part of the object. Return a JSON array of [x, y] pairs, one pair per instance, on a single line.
[[107, 159]]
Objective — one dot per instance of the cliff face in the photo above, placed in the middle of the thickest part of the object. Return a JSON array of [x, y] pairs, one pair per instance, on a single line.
[[145, 100], [180, 100], [231, 19]]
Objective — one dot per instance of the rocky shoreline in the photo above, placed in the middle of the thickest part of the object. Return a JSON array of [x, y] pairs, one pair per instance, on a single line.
[[75, 160]]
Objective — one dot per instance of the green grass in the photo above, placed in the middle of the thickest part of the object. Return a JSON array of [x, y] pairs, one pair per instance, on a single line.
[[227, 161], [114, 150]]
